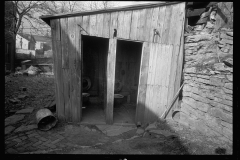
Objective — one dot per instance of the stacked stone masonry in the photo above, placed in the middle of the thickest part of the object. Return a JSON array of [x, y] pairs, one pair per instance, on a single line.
[[207, 94]]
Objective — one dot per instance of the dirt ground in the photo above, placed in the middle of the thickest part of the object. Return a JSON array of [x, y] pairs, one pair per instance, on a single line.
[[88, 139]]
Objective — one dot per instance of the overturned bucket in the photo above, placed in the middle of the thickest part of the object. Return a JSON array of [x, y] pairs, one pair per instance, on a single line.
[[45, 119]]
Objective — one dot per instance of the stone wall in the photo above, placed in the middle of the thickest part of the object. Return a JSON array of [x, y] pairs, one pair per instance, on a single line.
[[207, 94]]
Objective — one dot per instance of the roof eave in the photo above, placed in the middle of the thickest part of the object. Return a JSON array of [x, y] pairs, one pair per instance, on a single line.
[[47, 18]]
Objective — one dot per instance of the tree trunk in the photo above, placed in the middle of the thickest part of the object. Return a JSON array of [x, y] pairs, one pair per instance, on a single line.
[[13, 53]]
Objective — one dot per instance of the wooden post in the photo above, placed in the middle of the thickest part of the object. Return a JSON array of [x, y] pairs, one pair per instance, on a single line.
[[111, 61]]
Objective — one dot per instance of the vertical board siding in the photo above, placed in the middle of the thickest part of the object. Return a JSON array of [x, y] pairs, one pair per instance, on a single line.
[[55, 28], [143, 77], [99, 25], [86, 25], [65, 66], [180, 57], [173, 70], [92, 25], [78, 69], [106, 25], [160, 24], [64, 41], [166, 25], [71, 53], [120, 29], [153, 24], [147, 27], [134, 25], [127, 24], [113, 23], [111, 61], [173, 24], [141, 24]]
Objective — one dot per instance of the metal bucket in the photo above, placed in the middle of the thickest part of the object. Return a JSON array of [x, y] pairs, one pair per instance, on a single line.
[[45, 119]]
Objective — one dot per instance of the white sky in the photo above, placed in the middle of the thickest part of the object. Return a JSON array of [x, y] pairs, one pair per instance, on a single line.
[[118, 4]]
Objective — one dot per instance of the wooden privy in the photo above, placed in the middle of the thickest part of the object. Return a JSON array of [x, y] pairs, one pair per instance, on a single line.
[[135, 51]]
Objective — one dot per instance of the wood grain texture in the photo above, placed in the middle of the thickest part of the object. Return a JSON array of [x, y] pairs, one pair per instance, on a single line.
[[110, 79], [99, 25], [166, 26], [127, 24], [148, 23], [120, 29], [93, 25], [113, 23], [154, 20], [141, 24], [56, 52], [134, 24], [72, 57], [160, 24], [78, 70], [64, 41], [173, 70], [180, 58], [106, 25], [173, 24], [142, 85], [86, 25]]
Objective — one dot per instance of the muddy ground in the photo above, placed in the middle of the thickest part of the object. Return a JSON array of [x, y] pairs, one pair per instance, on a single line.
[[88, 139]]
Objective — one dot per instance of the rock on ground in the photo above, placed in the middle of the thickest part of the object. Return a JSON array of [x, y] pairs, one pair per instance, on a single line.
[[13, 119], [26, 110], [9, 129]]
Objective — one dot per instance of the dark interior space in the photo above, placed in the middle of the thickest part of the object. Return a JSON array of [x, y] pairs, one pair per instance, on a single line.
[[94, 54], [128, 59]]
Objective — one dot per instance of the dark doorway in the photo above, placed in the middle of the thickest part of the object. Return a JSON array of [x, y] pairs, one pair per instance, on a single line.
[[94, 56], [128, 59]]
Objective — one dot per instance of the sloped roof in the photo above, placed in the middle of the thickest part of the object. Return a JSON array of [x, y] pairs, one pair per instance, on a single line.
[[41, 38], [46, 18], [28, 37]]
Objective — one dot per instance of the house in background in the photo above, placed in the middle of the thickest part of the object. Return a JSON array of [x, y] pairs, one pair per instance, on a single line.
[[43, 44], [25, 46]]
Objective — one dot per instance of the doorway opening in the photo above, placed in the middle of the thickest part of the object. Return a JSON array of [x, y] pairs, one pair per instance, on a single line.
[[128, 60], [94, 63]]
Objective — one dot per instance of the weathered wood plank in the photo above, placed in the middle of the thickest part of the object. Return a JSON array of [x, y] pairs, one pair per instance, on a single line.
[[86, 25], [59, 79], [173, 73], [149, 90], [153, 24], [166, 26], [64, 41], [99, 25], [127, 24], [106, 25], [141, 24], [54, 33], [93, 27], [168, 67], [147, 26], [72, 57], [173, 24], [180, 58], [158, 78], [180, 19], [142, 85], [120, 30], [78, 70], [160, 24], [110, 79], [134, 24], [113, 23], [162, 79]]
